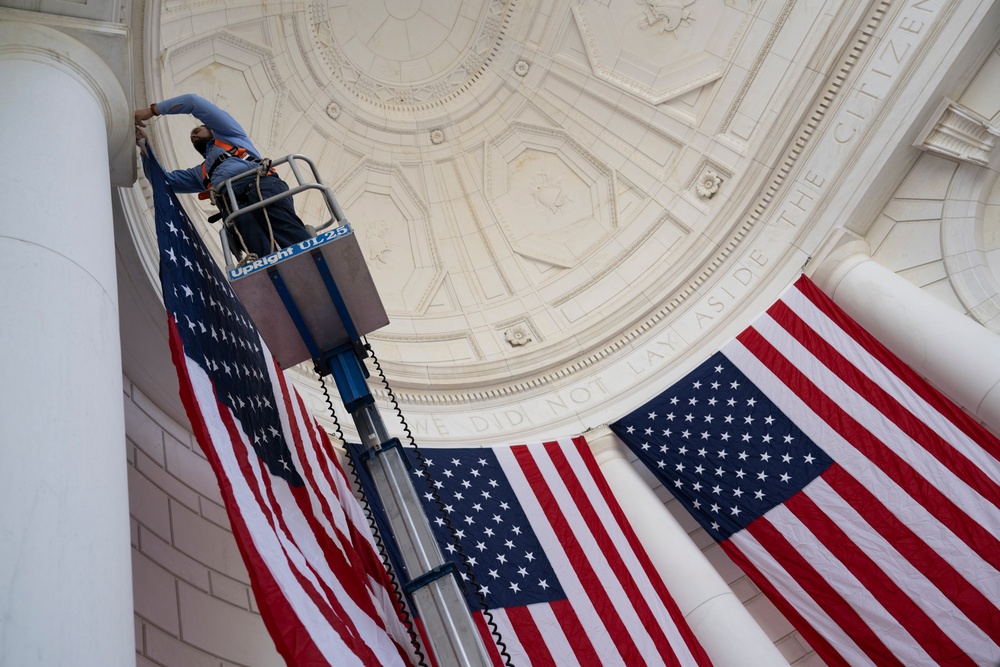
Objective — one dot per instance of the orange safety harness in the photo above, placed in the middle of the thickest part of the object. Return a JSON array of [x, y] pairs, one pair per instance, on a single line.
[[231, 151], [220, 201]]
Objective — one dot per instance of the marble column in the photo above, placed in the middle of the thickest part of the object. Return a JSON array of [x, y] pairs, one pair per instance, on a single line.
[[65, 554], [730, 636], [955, 353]]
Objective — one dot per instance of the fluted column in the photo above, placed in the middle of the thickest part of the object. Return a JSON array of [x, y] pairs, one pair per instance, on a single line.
[[65, 555], [722, 624], [956, 354]]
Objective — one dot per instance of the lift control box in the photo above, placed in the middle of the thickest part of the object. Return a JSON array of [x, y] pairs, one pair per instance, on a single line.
[[310, 297]]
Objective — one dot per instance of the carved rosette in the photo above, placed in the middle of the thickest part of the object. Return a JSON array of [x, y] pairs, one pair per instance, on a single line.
[[708, 183], [517, 335]]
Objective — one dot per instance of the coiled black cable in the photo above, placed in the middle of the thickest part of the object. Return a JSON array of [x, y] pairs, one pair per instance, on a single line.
[[397, 590], [452, 533]]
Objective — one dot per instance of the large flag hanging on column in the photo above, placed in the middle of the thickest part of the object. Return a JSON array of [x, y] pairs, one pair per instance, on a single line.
[[560, 569], [861, 500], [319, 581]]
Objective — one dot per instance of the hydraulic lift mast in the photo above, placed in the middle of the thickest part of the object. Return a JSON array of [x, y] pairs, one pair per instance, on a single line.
[[314, 301]]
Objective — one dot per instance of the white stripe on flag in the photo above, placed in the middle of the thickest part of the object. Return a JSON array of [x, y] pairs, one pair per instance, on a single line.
[[852, 592], [280, 554], [979, 573], [548, 625], [875, 422], [665, 624], [515, 646], [888, 381], [790, 589], [265, 541], [325, 472], [623, 604], [604, 644], [910, 580]]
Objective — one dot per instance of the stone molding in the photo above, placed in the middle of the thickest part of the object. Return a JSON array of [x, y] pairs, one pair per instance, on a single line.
[[959, 133], [969, 271], [442, 89]]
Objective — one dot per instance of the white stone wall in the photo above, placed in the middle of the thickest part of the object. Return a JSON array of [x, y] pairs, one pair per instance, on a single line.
[[193, 604]]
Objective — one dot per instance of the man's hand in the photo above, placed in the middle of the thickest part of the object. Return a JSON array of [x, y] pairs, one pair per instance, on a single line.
[[142, 115], [141, 139]]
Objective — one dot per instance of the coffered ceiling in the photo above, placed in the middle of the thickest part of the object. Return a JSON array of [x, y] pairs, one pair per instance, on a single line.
[[562, 203]]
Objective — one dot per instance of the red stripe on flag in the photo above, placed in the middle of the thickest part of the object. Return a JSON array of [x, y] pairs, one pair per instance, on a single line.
[[942, 450], [578, 558], [937, 503], [893, 599], [527, 633], [291, 638], [574, 632], [351, 575], [692, 643], [368, 564], [609, 550], [822, 593], [327, 604], [489, 641], [428, 650], [917, 384], [969, 600], [818, 642]]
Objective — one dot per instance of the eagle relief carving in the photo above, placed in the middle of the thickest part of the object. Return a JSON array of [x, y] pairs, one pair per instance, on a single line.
[[378, 243], [665, 16], [548, 192]]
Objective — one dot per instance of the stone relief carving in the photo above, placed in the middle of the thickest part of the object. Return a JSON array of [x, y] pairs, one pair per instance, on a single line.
[[664, 17], [478, 53], [333, 110], [554, 200], [960, 134], [378, 242], [708, 183], [663, 68], [548, 192], [437, 136], [518, 335], [521, 68]]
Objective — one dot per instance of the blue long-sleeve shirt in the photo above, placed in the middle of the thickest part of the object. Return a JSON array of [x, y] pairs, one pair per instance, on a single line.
[[225, 129]]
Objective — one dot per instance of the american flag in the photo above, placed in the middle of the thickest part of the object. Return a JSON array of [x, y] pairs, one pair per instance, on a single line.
[[554, 558], [319, 582], [858, 498]]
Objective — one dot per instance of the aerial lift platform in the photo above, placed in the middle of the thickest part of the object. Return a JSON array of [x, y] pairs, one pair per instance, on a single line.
[[315, 300]]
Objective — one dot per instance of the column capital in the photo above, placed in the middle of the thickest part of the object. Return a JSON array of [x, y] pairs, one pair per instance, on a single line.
[[62, 47], [604, 444], [840, 252]]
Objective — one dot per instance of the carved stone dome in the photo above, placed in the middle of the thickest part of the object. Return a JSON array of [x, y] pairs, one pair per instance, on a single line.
[[563, 205]]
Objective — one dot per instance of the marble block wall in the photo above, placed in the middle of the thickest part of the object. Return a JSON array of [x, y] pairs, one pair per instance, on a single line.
[[193, 605]]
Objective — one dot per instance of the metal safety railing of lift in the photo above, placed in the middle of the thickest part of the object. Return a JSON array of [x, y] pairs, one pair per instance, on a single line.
[[226, 189]]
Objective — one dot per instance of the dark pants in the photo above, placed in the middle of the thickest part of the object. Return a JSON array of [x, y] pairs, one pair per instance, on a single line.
[[286, 227]]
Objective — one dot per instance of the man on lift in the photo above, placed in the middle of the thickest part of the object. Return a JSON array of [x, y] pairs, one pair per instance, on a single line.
[[228, 151]]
